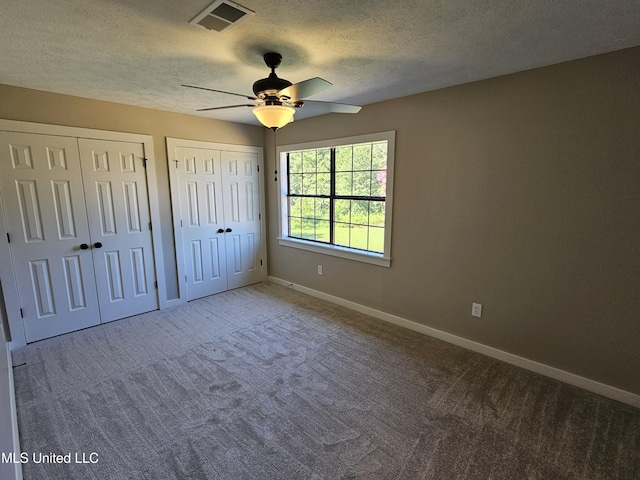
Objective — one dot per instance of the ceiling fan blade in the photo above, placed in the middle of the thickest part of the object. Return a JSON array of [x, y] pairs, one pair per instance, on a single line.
[[228, 106], [305, 88], [332, 107], [221, 91]]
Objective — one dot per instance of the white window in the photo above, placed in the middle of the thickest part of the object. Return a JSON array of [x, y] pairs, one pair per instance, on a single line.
[[336, 196]]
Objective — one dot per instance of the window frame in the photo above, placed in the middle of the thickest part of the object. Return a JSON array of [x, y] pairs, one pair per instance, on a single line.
[[381, 259]]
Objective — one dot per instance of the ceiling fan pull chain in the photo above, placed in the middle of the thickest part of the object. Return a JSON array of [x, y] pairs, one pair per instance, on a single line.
[[275, 155]]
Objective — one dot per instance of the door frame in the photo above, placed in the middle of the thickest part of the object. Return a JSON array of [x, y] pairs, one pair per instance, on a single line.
[[7, 278], [172, 143]]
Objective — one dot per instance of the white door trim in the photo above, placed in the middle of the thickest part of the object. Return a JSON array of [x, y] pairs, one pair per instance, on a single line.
[[172, 143], [6, 271], [15, 331]]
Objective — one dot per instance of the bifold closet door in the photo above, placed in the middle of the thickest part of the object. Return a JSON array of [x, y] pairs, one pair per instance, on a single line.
[[219, 203], [115, 185], [77, 213], [44, 208], [241, 193], [202, 218]]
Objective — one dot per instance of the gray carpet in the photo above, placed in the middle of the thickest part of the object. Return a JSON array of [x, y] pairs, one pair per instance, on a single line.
[[267, 383]]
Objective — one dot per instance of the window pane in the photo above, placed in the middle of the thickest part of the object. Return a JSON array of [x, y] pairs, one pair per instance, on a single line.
[[360, 212], [308, 228], [344, 158], [379, 183], [295, 183], [342, 211], [359, 237], [322, 230], [309, 183], [295, 207], [344, 183], [322, 208], [324, 160], [295, 162], [309, 161], [362, 157], [362, 184], [376, 239], [379, 156], [341, 234], [295, 227], [324, 183], [308, 208], [376, 214]]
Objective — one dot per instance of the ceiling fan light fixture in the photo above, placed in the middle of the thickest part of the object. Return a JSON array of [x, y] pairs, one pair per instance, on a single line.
[[274, 116]]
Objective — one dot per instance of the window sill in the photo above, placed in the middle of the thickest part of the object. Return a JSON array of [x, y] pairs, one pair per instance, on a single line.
[[373, 258]]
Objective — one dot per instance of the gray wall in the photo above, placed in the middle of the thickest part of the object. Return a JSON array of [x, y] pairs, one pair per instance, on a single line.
[[520, 192]]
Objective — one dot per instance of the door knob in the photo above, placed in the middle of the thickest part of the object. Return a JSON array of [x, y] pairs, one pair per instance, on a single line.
[[228, 230], [97, 245], [84, 246], [220, 230]]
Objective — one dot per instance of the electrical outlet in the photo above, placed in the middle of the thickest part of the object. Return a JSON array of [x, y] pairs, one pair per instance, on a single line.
[[319, 269], [476, 310]]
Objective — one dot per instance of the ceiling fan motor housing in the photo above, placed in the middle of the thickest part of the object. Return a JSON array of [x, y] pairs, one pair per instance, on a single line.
[[268, 88]]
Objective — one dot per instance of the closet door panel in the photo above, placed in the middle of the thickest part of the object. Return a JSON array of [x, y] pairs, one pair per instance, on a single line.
[[115, 183], [202, 221], [46, 218], [242, 220]]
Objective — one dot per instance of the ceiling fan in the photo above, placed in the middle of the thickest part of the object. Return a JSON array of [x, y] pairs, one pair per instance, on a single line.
[[277, 99]]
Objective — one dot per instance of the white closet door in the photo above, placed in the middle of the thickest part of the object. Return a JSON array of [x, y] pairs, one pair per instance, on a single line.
[[115, 185], [201, 211], [41, 184], [242, 217]]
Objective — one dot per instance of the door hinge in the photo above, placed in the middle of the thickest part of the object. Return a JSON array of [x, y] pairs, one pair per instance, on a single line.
[[8, 238], [150, 226], [21, 313], [260, 262], [155, 284], [185, 279], [181, 223], [144, 162], [176, 163], [259, 216], [258, 167]]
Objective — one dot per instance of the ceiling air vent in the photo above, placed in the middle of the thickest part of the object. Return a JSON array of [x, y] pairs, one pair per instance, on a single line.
[[221, 15]]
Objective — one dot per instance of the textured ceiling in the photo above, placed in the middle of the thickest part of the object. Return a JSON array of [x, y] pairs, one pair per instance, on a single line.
[[138, 52]]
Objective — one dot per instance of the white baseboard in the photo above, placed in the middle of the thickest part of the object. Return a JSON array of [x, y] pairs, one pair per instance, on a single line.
[[546, 370]]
